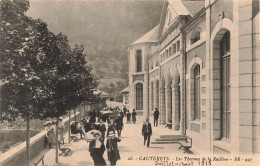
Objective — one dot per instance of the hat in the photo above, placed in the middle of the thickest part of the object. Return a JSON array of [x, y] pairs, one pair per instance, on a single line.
[[111, 133], [98, 134], [46, 123]]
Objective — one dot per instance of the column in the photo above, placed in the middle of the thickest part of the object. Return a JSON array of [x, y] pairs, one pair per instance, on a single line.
[[131, 93], [162, 119], [146, 97], [168, 103], [156, 96], [175, 107]]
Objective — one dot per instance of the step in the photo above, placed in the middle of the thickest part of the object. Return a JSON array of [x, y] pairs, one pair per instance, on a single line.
[[165, 142], [171, 139], [172, 136]]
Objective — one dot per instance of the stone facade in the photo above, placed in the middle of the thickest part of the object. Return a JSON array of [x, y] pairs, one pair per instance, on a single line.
[[202, 71]]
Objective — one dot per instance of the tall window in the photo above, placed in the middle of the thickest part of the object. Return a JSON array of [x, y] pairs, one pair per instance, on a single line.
[[139, 96], [138, 60], [170, 51], [178, 45], [225, 84], [174, 48], [197, 92]]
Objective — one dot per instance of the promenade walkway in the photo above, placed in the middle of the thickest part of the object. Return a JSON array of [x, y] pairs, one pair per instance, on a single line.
[[131, 147]]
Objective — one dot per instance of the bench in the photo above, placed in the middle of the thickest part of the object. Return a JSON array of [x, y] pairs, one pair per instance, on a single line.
[[74, 137], [39, 160], [187, 146], [169, 125], [65, 149], [61, 141]]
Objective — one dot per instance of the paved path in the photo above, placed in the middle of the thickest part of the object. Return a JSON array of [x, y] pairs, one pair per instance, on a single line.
[[130, 146]]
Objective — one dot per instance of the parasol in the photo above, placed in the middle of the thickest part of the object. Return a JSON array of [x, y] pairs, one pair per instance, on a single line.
[[72, 122], [106, 112], [90, 135]]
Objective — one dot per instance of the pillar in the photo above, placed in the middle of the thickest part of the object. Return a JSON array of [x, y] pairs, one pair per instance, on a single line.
[[168, 103], [175, 107], [145, 96], [162, 92], [131, 93]]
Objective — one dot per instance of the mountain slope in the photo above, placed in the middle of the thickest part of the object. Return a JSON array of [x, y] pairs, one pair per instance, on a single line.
[[104, 28]]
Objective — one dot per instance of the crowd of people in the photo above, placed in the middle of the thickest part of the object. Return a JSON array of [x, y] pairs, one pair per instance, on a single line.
[[95, 121], [50, 128]]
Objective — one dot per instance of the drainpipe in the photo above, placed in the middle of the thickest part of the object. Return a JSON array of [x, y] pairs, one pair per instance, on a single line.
[[148, 78], [184, 80]]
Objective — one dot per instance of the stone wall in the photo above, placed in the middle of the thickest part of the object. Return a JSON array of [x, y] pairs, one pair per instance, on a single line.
[[17, 155]]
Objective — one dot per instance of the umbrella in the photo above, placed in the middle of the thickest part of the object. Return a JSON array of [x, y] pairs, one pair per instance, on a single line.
[[72, 122], [106, 112], [90, 135]]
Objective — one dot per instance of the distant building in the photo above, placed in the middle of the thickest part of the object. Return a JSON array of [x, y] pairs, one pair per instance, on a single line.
[[201, 68], [102, 95], [125, 93]]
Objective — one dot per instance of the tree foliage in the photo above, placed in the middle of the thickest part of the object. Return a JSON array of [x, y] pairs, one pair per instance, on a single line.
[[40, 73]]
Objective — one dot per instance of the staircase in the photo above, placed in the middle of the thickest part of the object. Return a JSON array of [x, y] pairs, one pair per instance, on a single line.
[[169, 139]]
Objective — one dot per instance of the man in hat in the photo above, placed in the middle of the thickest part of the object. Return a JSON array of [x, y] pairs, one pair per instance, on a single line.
[[119, 125], [112, 148], [128, 117], [124, 110], [156, 117], [111, 127], [147, 132]]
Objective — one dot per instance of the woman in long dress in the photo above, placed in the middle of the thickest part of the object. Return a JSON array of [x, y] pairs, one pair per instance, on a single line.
[[96, 149], [50, 134]]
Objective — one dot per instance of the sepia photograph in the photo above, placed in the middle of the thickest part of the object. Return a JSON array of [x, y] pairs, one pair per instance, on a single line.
[[129, 83]]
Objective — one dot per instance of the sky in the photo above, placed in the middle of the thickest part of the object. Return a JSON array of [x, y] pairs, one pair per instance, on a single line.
[[105, 28]]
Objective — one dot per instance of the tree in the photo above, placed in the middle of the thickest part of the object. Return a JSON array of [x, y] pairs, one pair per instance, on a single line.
[[40, 75], [19, 50], [70, 81]]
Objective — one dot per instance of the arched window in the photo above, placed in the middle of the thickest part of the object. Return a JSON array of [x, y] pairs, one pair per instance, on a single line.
[[139, 96], [196, 92], [225, 85], [138, 60]]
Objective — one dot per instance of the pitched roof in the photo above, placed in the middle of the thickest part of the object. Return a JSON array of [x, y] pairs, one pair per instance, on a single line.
[[101, 93], [149, 37], [187, 7], [178, 7], [194, 6]]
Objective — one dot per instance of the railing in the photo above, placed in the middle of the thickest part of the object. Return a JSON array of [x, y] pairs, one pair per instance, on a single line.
[[17, 155]]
